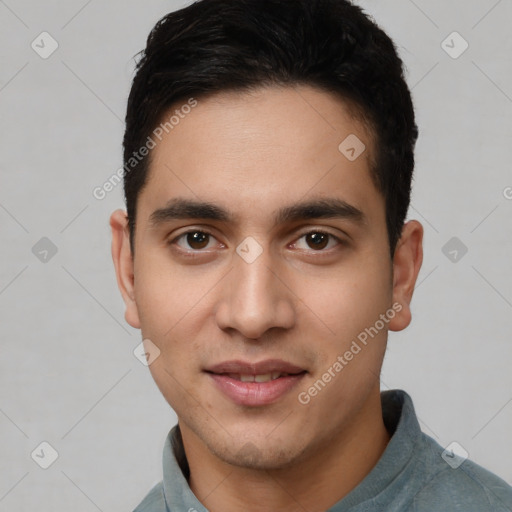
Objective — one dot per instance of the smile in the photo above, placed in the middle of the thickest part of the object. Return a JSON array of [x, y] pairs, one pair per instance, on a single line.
[[255, 384]]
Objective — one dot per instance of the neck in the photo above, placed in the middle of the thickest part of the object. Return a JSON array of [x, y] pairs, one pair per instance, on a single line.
[[313, 483]]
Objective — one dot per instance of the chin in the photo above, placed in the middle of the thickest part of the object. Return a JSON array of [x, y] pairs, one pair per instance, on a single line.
[[258, 454]]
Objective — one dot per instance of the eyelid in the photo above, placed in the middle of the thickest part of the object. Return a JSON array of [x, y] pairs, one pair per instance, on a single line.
[[323, 231], [175, 238], [305, 232]]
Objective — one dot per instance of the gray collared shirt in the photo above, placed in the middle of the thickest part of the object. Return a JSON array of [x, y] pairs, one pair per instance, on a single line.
[[414, 474]]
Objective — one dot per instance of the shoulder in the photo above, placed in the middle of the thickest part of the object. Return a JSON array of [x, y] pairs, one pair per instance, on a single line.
[[464, 485], [154, 500]]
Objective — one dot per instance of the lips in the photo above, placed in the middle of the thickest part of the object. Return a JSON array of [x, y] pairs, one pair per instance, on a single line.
[[260, 368], [255, 384]]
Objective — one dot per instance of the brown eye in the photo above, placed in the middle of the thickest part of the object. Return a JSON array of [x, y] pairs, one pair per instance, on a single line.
[[317, 240], [194, 241], [197, 239]]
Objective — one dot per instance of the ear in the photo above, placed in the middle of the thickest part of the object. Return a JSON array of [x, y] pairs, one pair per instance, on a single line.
[[406, 266], [123, 263]]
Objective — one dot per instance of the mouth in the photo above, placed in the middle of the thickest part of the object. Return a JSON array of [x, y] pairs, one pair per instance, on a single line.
[[263, 377], [255, 384]]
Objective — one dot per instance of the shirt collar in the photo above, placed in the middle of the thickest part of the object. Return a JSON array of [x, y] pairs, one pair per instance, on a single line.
[[390, 473]]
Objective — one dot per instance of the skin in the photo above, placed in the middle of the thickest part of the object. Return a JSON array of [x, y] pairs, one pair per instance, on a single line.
[[252, 154]]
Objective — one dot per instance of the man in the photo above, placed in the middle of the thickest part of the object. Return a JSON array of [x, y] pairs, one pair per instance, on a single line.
[[269, 151]]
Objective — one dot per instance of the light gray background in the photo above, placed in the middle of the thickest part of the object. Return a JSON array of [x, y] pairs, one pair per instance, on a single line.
[[68, 375]]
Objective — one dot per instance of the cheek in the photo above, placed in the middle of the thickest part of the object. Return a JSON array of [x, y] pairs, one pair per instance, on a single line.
[[350, 299], [162, 295], [174, 382], [171, 310]]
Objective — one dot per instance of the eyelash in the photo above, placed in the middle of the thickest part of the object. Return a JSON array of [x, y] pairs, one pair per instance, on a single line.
[[321, 232], [195, 252]]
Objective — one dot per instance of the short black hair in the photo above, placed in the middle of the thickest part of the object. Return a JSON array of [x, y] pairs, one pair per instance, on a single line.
[[214, 46]]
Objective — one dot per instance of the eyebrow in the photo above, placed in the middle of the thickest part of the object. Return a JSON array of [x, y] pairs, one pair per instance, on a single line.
[[328, 208]]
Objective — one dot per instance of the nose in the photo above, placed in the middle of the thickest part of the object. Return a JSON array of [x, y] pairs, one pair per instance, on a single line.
[[255, 298]]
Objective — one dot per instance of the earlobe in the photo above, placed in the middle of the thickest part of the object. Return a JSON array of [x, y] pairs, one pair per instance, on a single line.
[[406, 266], [124, 267]]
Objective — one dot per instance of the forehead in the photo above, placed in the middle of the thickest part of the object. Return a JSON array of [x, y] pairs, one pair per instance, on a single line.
[[257, 150]]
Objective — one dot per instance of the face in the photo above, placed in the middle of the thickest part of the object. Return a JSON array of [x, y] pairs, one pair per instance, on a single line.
[[261, 261]]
